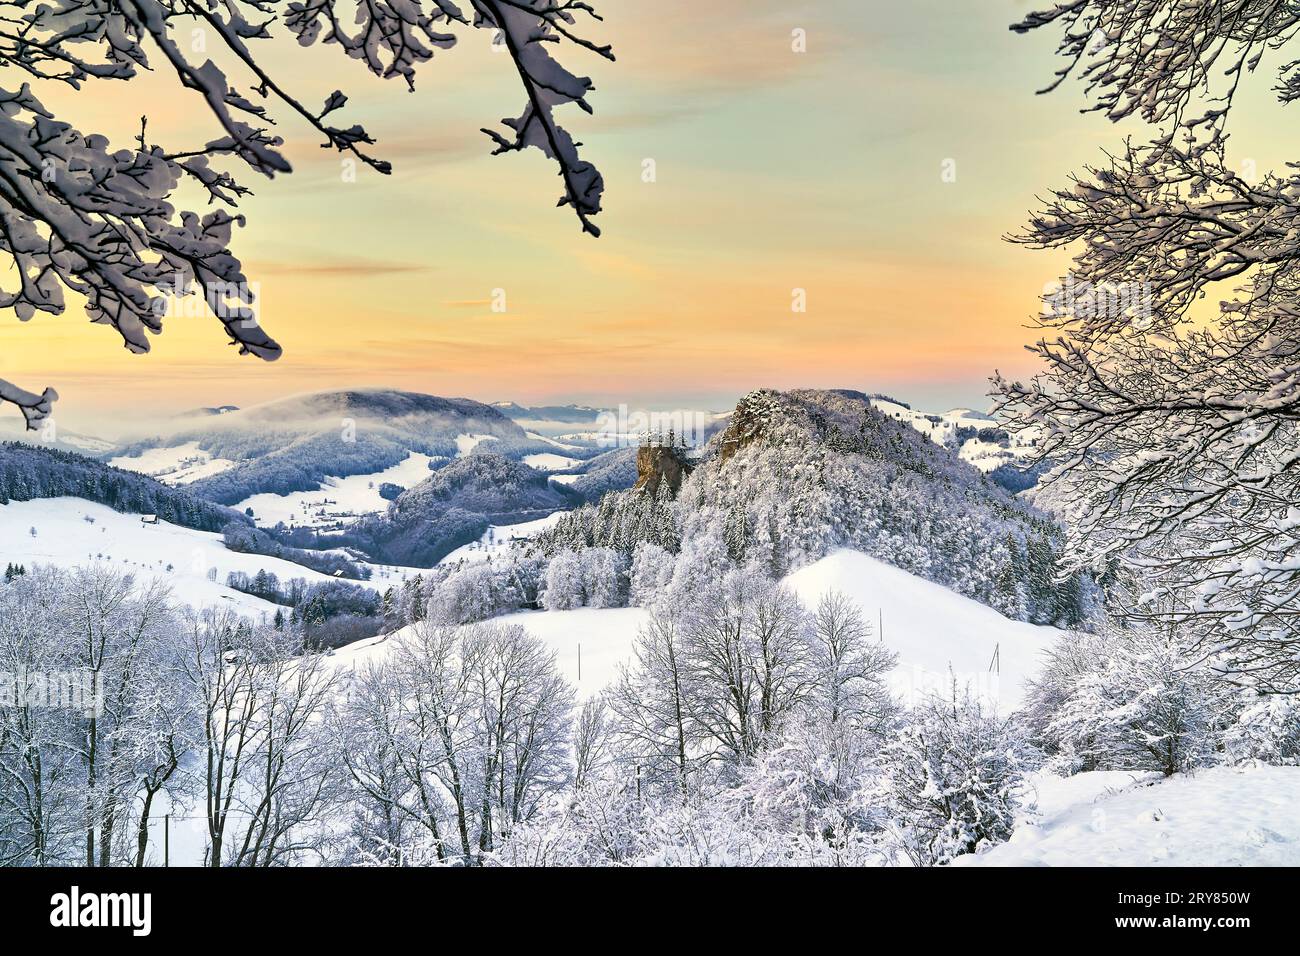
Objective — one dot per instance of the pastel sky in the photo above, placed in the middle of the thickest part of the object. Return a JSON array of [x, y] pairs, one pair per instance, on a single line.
[[775, 170]]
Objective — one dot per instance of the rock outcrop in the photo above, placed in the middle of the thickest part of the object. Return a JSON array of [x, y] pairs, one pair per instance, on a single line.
[[659, 463]]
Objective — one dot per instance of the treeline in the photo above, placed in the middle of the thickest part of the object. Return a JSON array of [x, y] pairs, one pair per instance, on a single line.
[[247, 539], [28, 472], [329, 613]]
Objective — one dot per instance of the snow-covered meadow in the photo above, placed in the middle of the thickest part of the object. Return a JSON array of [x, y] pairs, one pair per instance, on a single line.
[[337, 500], [1217, 816]]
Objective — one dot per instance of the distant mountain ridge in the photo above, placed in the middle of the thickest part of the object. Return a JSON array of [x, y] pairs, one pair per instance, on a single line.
[[294, 444], [576, 414], [454, 506]]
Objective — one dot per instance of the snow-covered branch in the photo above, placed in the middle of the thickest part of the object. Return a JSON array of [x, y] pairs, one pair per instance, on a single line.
[[79, 214]]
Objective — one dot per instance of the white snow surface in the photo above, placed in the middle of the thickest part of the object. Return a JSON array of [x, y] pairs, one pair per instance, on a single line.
[[1219, 816], [467, 443], [174, 465], [589, 643], [551, 441], [547, 461], [64, 538], [338, 500], [932, 629]]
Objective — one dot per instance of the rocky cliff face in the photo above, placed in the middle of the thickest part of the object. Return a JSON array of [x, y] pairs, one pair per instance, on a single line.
[[659, 463], [750, 422]]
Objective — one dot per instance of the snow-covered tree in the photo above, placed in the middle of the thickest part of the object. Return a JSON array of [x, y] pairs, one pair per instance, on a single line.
[[564, 582], [1171, 427], [954, 779], [1139, 702], [652, 572], [266, 785], [97, 219], [1265, 728]]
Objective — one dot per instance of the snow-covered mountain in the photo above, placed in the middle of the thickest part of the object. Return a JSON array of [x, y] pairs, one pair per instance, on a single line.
[[975, 436], [311, 443], [797, 474]]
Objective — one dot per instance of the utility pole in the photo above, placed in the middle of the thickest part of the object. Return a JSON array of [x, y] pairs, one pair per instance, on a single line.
[[167, 840]]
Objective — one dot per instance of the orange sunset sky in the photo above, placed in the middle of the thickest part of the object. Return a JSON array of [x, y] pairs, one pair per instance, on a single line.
[[776, 170]]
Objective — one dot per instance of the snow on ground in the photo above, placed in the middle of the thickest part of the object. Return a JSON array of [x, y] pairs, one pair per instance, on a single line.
[[551, 441], [932, 628], [338, 500], [467, 443], [65, 538], [174, 465], [565, 479], [589, 643], [499, 538], [928, 625], [550, 462], [1220, 816], [942, 430], [987, 455]]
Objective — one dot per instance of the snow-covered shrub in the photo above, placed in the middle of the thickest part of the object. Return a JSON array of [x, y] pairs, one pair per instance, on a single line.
[[1067, 662], [599, 824], [1267, 729], [1137, 702], [475, 593], [594, 577], [953, 779]]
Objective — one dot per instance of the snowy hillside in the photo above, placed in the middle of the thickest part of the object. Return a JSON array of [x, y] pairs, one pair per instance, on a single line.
[[1219, 816], [930, 627], [174, 465], [976, 436], [337, 500], [72, 532]]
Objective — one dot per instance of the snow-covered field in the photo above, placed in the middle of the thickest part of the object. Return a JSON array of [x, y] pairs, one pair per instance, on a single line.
[[551, 441], [499, 538], [182, 557], [549, 462], [174, 465], [467, 443], [338, 499], [942, 430], [932, 628], [1219, 816]]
